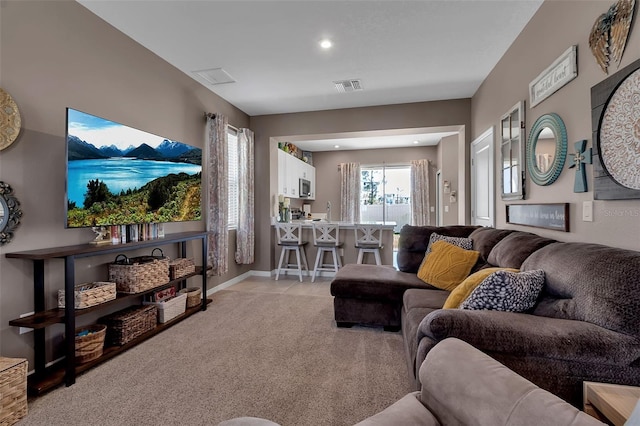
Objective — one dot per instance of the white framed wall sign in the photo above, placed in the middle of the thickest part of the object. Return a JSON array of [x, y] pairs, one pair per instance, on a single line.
[[560, 72]]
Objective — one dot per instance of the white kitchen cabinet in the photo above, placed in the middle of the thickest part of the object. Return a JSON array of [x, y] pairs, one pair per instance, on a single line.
[[308, 172], [290, 171], [283, 184]]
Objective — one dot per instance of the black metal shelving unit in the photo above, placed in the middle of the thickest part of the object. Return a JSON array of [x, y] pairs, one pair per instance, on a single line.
[[65, 371]]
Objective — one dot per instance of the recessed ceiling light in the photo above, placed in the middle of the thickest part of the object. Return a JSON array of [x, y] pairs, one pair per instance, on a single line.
[[326, 43], [416, 142], [336, 146]]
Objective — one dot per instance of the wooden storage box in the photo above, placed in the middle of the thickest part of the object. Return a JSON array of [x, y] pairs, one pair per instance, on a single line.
[[13, 390], [138, 274], [129, 323], [193, 296], [180, 267], [89, 346], [169, 309], [90, 294]]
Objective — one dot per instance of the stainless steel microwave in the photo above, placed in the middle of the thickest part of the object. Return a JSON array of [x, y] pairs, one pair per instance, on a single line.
[[305, 188]]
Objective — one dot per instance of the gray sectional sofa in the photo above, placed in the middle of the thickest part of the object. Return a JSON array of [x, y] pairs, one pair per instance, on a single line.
[[584, 326]]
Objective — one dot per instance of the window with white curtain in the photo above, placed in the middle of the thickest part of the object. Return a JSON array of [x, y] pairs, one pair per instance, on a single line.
[[232, 141]]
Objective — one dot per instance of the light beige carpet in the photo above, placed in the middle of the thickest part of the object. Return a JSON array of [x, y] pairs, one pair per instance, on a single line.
[[277, 356]]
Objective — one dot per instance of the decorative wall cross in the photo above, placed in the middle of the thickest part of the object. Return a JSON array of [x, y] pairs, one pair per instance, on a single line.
[[580, 157]]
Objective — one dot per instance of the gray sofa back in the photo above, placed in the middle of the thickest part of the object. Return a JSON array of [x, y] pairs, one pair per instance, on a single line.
[[513, 249], [590, 282], [414, 240], [485, 238]]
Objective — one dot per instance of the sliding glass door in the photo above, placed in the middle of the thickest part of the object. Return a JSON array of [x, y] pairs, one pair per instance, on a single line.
[[385, 195]]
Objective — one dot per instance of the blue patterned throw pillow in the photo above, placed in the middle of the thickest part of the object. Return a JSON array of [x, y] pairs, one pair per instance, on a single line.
[[463, 243], [506, 291]]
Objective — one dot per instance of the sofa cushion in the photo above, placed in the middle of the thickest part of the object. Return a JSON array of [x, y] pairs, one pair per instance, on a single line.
[[590, 282], [413, 242], [463, 243], [424, 298], [529, 335], [363, 281], [506, 291], [483, 391], [485, 239], [447, 265], [513, 249], [406, 411], [461, 292]]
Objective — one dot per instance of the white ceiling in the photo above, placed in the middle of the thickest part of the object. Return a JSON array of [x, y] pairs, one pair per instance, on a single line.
[[403, 51]]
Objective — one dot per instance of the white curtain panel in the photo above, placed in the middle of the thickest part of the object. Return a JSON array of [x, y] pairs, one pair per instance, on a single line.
[[245, 235], [420, 193], [217, 194], [350, 192]]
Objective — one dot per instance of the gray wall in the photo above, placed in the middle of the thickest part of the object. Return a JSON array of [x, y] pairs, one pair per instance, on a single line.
[[556, 26], [57, 55], [326, 163], [269, 129]]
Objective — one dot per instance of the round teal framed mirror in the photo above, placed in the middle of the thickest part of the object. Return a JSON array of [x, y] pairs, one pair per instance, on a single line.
[[546, 149]]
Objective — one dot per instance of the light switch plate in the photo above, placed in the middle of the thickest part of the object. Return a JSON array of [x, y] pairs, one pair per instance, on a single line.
[[587, 211], [446, 209]]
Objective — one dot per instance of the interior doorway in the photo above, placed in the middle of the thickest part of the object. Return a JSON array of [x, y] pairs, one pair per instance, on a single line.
[[482, 178], [439, 196]]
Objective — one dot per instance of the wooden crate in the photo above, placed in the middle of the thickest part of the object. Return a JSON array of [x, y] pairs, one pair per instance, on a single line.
[[13, 390]]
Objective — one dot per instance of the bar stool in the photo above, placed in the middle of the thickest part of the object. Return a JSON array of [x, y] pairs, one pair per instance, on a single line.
[[326, 238], [290, 239], [368, 240]]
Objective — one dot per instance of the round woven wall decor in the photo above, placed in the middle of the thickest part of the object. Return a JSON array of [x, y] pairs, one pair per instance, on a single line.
[[10, 121], [619, 134]]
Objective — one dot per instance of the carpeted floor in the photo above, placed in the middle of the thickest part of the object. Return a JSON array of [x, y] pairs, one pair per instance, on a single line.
[[277, 356]]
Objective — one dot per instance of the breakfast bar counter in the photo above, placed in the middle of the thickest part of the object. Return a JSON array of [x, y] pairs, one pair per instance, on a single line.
[[349, 253]]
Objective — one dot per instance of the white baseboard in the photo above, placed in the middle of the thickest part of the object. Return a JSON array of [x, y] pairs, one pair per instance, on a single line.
[[229, 283], [272, 273]]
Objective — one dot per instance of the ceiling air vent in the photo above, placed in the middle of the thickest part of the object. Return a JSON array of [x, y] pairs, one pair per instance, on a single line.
[[345, 86], [215, 76]]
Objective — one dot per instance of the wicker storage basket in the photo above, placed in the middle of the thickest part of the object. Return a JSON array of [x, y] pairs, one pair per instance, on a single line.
[[193, 296], [13, 390], [129, 323], [180, 267], [89, 346], [169, 309], [138, 274], [90, 294]]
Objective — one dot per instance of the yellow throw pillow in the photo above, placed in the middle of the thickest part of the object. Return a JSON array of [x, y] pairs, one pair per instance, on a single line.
[[461, 292], [447, 265]]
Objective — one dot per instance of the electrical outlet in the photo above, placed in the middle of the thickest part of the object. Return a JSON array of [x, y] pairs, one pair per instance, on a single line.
[[432, 209], [446, 209], [25, 330]]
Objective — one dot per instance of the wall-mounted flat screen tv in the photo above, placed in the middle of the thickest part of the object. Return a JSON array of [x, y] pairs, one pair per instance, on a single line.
[[118, 175]]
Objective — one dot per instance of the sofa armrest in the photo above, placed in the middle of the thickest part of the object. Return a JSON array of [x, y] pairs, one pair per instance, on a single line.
[[531, 335], [463, 386], [406, 411]]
